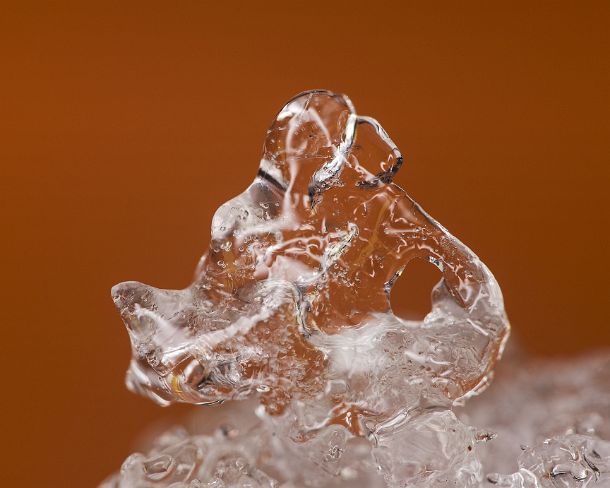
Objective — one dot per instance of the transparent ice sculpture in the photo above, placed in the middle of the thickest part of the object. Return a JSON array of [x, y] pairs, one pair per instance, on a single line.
[[290, 312]]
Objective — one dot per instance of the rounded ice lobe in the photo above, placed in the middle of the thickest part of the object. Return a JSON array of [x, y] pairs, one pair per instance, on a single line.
[[291, 301]]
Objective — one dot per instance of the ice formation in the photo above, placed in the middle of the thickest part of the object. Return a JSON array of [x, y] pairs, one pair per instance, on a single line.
[[541, 425], [290, 312]]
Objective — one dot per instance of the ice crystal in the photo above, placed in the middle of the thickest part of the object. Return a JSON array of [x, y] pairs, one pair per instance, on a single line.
[[290, 308]]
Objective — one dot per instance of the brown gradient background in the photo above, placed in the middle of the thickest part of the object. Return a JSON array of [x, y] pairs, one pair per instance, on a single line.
[[123, 125]]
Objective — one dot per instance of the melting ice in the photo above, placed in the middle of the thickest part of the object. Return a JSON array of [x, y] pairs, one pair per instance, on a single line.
[[290, 312]]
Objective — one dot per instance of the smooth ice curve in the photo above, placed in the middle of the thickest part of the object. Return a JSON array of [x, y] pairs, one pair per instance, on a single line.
[[291, 305]]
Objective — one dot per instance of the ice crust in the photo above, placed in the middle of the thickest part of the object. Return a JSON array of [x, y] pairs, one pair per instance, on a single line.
[[542, 424], [550, 419], [290, 310]]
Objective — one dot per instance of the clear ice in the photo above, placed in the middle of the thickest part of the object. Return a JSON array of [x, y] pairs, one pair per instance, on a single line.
[[290, 312]]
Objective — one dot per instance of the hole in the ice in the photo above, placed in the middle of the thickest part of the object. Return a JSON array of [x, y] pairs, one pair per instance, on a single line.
[[411, 294]]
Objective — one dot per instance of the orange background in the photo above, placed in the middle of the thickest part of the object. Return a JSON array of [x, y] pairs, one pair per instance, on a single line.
[[123, 125]]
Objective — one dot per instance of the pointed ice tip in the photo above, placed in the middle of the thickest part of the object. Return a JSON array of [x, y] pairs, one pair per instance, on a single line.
[[123, 294], [115, 291]]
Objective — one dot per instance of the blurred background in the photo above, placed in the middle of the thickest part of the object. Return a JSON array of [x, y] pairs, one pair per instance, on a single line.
[[124, 125]]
